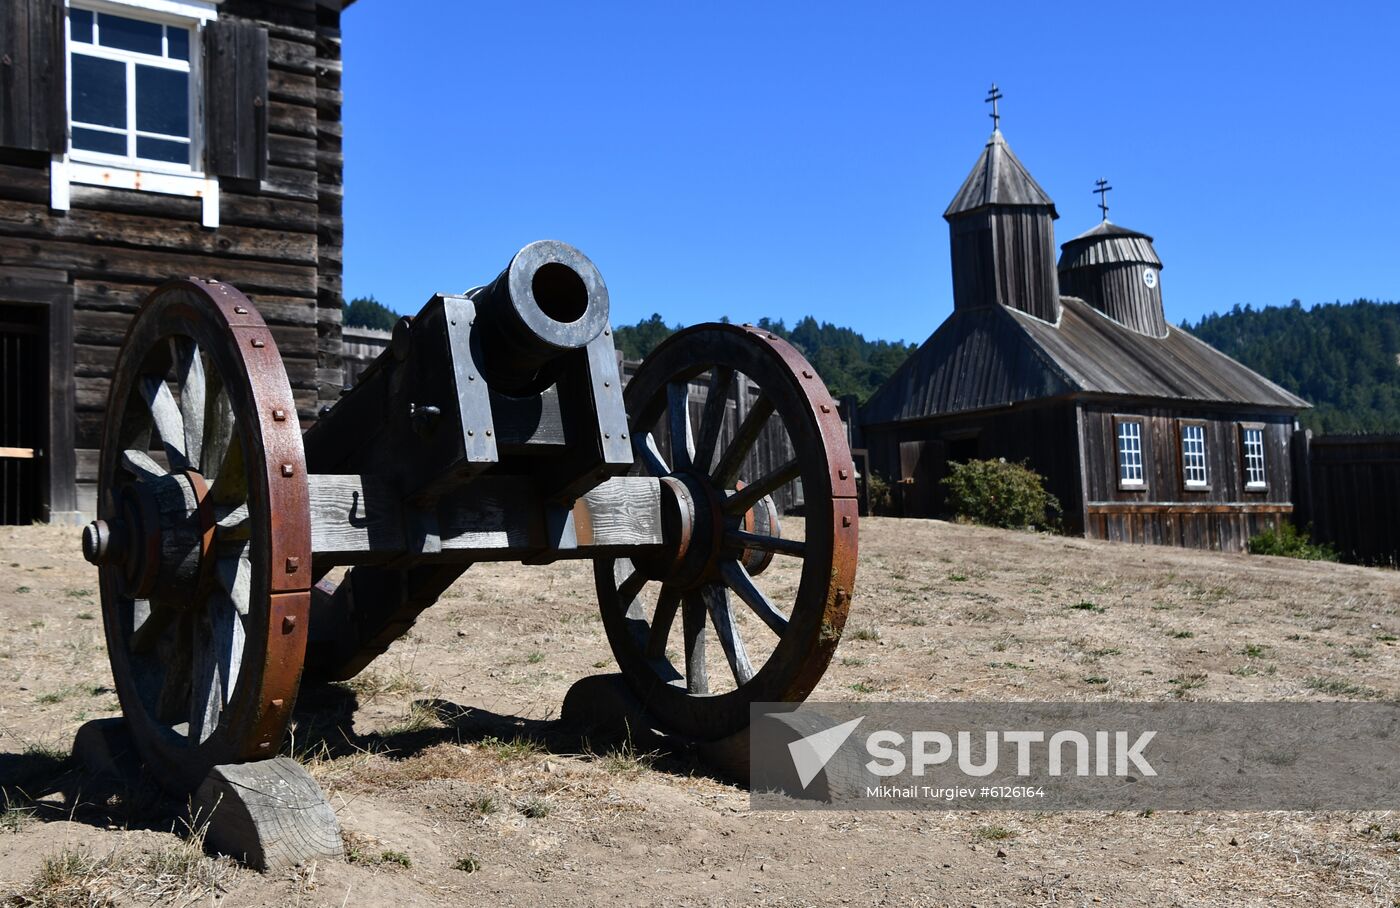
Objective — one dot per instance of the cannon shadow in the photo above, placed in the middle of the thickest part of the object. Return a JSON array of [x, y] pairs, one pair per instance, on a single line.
[[323, 728], [48, 785]]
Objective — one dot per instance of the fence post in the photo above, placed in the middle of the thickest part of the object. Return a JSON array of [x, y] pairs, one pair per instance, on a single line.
[[1303, 513]]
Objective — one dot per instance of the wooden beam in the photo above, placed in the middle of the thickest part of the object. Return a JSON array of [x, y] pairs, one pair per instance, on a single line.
[[1115, 507], [362, 520], [17, 453]]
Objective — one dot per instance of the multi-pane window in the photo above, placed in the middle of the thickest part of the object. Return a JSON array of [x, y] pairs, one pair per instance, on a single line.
[[1254, 477], [131, 98], [1193, 454], [1130, 471]]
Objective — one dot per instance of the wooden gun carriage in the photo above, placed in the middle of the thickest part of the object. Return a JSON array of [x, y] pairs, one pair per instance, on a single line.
[[493, 428]]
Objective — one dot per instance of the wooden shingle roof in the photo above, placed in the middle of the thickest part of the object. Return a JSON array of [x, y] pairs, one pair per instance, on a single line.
[[1101, 356], [993, 356], [998, 178], [1107, 243]]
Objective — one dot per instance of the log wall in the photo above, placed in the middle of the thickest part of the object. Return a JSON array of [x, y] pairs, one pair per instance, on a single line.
[[280, 239]]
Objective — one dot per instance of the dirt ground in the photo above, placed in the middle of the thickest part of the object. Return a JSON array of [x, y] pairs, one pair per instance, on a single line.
[[496, 808]]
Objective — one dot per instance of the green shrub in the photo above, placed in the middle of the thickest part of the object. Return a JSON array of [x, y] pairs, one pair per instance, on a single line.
[[877, 493], [1289, 542], [1000, 494]]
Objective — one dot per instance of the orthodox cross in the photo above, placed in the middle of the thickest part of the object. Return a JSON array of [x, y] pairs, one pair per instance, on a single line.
[[992, 98], [1103, 190]]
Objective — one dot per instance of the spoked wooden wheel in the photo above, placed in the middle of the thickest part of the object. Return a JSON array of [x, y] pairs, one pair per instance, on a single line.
[[203, 541], [697, 408]]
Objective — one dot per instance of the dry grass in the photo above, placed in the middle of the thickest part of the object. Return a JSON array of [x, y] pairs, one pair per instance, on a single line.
[[400, 677], [177, 872], [942, 613]]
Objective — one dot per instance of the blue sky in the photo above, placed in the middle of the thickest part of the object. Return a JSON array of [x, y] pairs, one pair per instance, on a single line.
[[786, 159]]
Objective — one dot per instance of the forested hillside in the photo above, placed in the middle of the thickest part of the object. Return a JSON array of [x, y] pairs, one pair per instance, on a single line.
[[846, 361], [368, 312], [1344, 358]]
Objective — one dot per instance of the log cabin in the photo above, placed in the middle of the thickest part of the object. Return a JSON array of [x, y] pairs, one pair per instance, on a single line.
[[142, 140], [1142, 432]]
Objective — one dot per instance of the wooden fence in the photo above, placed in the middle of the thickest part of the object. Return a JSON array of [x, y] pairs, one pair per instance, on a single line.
[[1348, 491]]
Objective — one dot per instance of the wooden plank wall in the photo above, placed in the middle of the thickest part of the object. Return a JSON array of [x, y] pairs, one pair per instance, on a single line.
[[1045, 436], [1162, 455], [1119, 291], [1005, 256], [1163, 512], [1352, 498], [1225, 528], [280, 240]]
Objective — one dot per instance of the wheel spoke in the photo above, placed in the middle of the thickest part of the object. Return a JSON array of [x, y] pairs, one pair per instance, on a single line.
[[140, 464], [172, 704], [712, 419], [149, 619], [716, 600], [206, 697], [189, 370], [738, 580], [628, 590], [232, 522], [647, 450], [231, 486], [678, 424], [665, 616], [218, 425], [165, 414], [744, 438], [217, 642], [693, 624], [235, 572], [744, 540], [229, 635], [749, 495]]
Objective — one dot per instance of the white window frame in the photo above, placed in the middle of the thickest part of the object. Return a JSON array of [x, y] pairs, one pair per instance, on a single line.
[[1128, 445], [97, 169], [1195, 468], [1253, 462]]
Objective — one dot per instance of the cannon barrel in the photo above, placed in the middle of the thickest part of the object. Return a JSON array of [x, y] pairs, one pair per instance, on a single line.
[[550, 300]]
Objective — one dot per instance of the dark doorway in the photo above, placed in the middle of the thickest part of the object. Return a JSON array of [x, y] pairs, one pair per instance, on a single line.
[[961, 450], [23, 383]]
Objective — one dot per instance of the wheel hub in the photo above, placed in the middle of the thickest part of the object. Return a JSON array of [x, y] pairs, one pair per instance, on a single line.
[[159, 541]]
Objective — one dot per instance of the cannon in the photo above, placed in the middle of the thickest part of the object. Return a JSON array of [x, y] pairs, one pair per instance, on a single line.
[[494, 427]]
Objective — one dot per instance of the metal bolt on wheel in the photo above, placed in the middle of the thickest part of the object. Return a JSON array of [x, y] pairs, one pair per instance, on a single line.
[[202, 542]]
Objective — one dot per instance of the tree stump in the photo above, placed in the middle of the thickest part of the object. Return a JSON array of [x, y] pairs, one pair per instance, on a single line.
[[269, 814]]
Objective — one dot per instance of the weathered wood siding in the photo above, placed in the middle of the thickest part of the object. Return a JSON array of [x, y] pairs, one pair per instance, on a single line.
[[279, 240], [1005, 256], [914, 456], [1121, 292], [1163, 511], [1108, 267], [1349, 494]]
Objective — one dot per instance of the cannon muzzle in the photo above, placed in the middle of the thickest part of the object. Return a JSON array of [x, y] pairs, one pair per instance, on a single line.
[[549, 300]]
